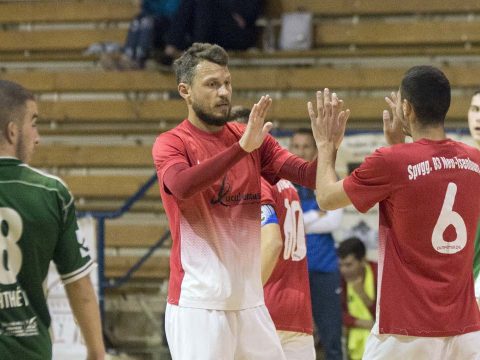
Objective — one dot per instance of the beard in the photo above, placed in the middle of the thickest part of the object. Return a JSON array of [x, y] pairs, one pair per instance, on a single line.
[[209, 118]]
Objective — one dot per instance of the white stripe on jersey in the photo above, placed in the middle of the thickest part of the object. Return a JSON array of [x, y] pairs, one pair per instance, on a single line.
[[79, 273]]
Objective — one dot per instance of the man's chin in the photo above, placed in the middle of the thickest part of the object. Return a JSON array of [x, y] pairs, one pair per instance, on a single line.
[[215, 121]]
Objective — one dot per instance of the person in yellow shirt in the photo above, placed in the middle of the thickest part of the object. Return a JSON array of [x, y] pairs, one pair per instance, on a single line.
[[359, 284]]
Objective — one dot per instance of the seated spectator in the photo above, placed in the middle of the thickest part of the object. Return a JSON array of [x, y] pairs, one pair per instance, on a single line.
[[230, 24], [146, 32], [359, 283]]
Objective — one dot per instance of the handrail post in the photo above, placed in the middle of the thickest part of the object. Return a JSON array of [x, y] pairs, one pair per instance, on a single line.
[[101, 265]]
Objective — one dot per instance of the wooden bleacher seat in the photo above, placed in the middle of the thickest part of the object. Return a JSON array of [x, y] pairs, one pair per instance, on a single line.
[[56, 40], [132, 235], [95, 192], [407, 33], [93, 156], [109, 186], [287, 112], [260, 78], [93, 81], [371, 7], [135, 236], [156, 267], [66, 11]]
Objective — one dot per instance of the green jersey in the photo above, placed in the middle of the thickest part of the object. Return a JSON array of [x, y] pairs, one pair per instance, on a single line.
[[37, 225]]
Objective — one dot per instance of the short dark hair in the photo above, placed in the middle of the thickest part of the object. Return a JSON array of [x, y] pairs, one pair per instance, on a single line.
[[186, 64], [13, 99], [352, 246], [428, 90]]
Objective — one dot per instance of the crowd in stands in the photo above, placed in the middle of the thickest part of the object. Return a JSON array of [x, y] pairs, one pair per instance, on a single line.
[[163, 29]]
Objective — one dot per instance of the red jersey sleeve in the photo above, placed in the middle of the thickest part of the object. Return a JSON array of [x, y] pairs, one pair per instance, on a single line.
[[168, 150], [273, 156], [369, 183], [267, 193], [183, 180], [278, 163]]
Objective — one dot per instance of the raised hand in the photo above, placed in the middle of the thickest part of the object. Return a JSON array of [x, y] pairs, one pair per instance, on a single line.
[[330, 120], [394, 126], [256, 129]]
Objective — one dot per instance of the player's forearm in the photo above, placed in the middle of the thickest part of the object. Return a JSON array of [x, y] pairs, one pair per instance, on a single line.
[[271, 247], [320, 224], [326, 177], [299, 171], [83, 302], [183, 181]]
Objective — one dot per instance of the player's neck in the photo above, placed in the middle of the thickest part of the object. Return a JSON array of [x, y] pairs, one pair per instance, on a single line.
[[7, 151], [195, 121], [429, 132]]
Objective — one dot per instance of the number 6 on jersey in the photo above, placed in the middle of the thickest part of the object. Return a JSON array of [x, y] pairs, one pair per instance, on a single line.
[[446, 218]]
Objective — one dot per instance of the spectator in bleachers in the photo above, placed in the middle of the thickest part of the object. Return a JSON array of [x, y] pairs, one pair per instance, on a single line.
[[228, 23], [359, 284], [146, 32], [321, 255]]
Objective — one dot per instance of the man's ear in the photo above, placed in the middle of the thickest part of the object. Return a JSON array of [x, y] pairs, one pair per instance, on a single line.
[[184, 91], [407, 108], [11, 132]]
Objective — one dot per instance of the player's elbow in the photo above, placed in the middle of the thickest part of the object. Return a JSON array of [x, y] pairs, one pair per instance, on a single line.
[[326, 202]]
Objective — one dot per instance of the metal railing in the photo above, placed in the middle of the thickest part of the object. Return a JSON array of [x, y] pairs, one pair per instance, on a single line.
[[101, 216]]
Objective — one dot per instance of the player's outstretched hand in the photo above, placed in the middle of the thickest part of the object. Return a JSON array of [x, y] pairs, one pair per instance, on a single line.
[[257, 128], [394, 127], [330, 120]]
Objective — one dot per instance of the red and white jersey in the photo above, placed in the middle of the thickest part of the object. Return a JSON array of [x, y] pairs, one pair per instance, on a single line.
[[287, 291], [215, 256], [429, 208]]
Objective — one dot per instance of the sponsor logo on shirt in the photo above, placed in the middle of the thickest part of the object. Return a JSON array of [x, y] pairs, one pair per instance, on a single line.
[[224, 197], [441, 163], [27, 327]]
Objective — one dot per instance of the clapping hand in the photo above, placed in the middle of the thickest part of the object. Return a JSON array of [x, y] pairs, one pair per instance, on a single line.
[[329, 120], [394, 127], [256, 129]]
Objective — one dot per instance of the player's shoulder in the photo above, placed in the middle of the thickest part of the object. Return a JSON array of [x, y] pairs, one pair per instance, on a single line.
[[468, 148], [173, 137], [41, 179], [177, 131]]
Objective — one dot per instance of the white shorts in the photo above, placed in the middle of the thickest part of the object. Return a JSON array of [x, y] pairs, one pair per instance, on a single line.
[[201, 334], [297, 346], [398, 347]]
